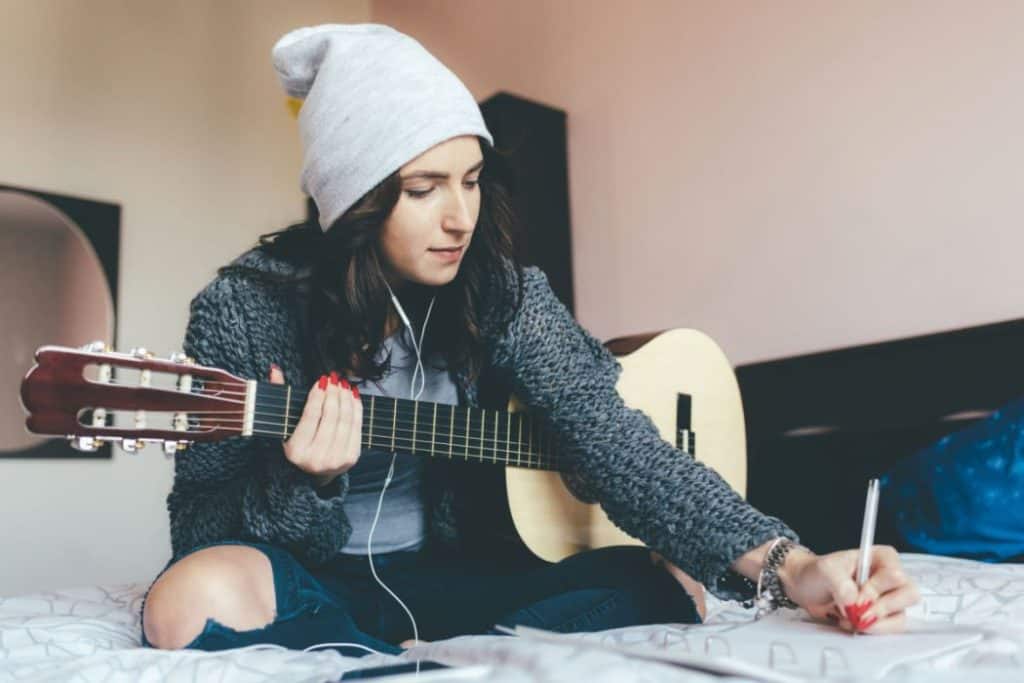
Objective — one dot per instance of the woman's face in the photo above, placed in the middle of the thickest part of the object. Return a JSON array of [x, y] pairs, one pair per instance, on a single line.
[[428, 231]]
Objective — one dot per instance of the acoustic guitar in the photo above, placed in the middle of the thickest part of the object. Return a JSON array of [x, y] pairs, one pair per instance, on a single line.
[[680, 378]]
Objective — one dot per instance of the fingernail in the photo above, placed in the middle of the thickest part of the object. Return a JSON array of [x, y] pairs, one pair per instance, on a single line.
[[323, 382], [865, 606], [355, 392], [854, 612], [334, 377], [866, 624], [344, 383]]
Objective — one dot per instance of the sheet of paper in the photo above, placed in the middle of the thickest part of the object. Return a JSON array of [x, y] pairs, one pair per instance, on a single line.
[[809, 648], [721, 666], [786, 649]]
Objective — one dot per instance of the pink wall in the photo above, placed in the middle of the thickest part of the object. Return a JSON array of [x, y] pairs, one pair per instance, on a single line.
[[787, 176]]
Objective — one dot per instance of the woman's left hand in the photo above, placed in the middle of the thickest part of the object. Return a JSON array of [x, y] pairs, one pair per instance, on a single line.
[[824, 585]]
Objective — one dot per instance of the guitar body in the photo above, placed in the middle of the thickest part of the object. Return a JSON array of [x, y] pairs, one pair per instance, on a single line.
[[554, 524]]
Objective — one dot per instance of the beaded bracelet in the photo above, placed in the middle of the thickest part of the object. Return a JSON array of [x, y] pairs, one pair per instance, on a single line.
[[770, 595]]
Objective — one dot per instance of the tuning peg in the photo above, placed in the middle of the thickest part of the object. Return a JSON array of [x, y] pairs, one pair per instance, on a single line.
[[86, 444], [132, 445], [180, 357], [98, 346], [172, 447], [140, 352]]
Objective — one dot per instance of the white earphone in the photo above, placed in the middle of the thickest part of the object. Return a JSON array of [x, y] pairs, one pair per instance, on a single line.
[[417, 346]]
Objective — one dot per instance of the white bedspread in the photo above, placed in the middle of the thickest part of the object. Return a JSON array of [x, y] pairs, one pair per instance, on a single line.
[[92, 634]]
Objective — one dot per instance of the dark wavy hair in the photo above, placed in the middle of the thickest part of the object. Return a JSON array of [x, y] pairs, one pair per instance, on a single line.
[[342, 275]]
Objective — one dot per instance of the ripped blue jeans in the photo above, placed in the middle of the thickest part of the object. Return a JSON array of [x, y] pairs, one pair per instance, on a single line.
[[341, 602]]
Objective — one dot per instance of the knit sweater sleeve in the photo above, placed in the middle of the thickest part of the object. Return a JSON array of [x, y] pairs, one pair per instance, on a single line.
[[245, 488], [674, 504]]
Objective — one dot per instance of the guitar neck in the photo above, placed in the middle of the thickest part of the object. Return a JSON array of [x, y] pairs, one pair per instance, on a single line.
[[437, 430]]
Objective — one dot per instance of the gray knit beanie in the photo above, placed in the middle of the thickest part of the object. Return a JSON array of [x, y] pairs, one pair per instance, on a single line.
[[374, 99]]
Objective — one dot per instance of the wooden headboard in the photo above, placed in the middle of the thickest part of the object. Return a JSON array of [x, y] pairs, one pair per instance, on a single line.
[[820, 425]]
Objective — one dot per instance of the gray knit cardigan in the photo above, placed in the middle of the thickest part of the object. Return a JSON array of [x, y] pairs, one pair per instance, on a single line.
[[243, 488]]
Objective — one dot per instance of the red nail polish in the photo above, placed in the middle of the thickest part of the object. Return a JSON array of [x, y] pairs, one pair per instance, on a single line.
[[866, 624], [854, 612], [323, 382], [355, 392], [334, 377], [344, 383]]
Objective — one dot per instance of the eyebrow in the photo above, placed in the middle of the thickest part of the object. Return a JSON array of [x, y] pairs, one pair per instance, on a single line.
[[438, 175]]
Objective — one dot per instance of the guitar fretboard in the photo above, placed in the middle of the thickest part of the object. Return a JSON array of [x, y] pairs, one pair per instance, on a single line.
[[437, 430]]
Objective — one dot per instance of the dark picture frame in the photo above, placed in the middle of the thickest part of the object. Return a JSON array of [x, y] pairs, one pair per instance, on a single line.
[[100, 222]]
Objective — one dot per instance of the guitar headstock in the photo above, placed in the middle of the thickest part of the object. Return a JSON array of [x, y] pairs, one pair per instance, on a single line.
[[78, 393]]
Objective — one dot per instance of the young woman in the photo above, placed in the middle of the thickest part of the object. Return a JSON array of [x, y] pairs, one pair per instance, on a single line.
[[408, 288]]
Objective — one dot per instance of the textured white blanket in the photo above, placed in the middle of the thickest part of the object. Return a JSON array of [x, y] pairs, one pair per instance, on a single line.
[[92, 634]]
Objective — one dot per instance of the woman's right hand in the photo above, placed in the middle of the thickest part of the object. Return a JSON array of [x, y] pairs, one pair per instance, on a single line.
[[327, 440]]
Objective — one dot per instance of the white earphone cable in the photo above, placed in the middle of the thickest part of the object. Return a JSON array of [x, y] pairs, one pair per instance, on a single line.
[[413, 394]]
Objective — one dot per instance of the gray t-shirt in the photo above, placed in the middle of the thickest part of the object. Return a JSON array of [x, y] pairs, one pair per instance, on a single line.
[[402, 523]]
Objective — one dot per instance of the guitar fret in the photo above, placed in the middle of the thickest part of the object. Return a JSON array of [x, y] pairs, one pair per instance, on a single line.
[[287, 410], [369, 441], [467, 434], [508, 438], [415, 416], [394, 418], [433, 432], [451, 432], [529, 438], [519, 443], [495, 449], [483, 436]]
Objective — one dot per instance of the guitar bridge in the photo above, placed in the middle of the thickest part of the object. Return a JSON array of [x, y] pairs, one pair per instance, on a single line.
[[686, 439]]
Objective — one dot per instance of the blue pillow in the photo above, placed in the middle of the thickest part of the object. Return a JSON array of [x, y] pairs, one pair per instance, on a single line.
[[963, 495]]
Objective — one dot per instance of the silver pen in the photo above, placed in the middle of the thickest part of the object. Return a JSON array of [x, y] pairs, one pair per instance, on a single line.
[[867, 533]]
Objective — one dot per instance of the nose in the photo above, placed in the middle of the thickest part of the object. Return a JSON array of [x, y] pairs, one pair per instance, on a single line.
[[460, 213]]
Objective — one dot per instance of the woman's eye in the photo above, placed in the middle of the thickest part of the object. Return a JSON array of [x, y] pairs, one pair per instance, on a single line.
[[419, 194]]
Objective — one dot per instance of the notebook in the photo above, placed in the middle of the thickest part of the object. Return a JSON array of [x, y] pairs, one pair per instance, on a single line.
[[788, 648]]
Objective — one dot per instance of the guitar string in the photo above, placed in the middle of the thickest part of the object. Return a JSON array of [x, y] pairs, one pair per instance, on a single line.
[[544, 462], [300, 403], [408, 443], [537, 462], [224, 417], [383, 436], [403, 429], [296, 400], [295, 416]]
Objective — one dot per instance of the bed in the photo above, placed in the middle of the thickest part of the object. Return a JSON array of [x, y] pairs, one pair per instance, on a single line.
[[892, 397], [92, 634]]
